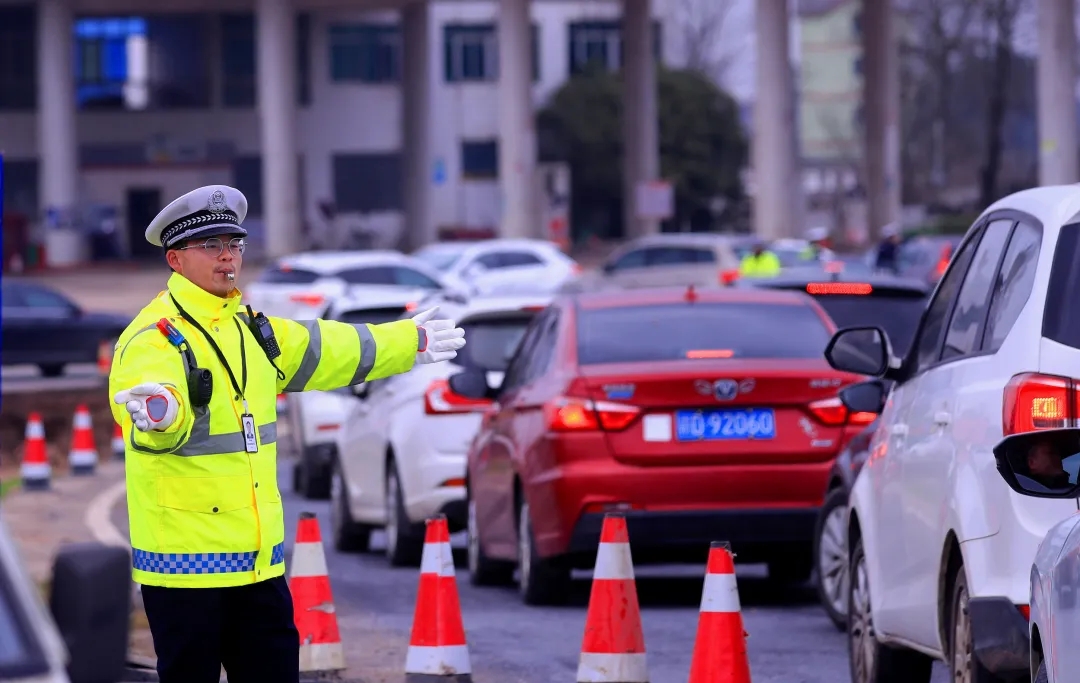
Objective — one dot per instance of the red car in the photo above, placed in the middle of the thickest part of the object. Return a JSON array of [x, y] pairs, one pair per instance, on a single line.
[[702, 415]]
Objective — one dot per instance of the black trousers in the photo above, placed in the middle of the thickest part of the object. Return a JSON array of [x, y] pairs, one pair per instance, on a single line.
[[248, 629]]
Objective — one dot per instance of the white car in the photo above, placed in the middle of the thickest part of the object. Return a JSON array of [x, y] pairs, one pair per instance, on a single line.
[[1046, 464], [940, 547], [301, 286], [315, 417], [488, 267], [402, 450]]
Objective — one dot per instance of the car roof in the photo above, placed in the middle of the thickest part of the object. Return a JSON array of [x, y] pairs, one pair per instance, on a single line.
[[675, 295], [485, 305], [326, 262], [1053, 205]]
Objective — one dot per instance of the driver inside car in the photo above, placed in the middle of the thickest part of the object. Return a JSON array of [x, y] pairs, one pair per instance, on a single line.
[[1044, 466]]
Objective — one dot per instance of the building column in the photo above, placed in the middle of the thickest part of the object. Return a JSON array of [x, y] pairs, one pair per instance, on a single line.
[[58, 167], [775, 157], [276, 71], [641, 146], [517, 121], [1058, 152], [416, 123], [881, 116]]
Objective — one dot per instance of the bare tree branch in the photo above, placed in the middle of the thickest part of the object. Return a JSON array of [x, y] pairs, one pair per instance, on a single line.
[[709, 51]]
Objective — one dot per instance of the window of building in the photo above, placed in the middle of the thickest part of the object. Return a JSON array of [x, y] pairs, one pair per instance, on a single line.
[[600, 43], [365, 53], [239, 62], [111, 55], [471, 52], [368, 182], [18, 57], [479, 159]]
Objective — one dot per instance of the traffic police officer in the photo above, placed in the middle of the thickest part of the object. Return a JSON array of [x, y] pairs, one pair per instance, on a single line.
[[194, 383]]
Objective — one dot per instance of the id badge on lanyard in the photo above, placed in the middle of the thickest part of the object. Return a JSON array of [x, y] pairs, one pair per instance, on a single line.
[[251, 442]]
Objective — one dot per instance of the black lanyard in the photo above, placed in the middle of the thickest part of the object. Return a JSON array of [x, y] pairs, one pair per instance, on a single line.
[[243, 356]]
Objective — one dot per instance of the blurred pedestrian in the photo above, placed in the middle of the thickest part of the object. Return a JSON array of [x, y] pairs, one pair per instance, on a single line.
[[887, 250], [195, 384], [760, 262], [819, 247]]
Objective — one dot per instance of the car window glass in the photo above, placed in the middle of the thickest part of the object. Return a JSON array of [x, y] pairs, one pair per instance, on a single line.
[[631, 259], [667, 256], [1013, 285], [20, 651], [929, 339], [963, 335], [407, 277], [544, 349], [490, 261], [374, 275], [42, 298], [287, 275], [513, 259], [517, 370]]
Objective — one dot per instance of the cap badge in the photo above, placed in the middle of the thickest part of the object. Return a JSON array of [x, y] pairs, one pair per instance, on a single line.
[[217, 202]]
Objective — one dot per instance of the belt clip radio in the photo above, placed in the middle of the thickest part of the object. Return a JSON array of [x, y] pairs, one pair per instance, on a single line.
[[199, 380], [264, 333]]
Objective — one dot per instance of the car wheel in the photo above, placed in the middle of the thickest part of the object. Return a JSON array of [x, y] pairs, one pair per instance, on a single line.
[[831, 554], [483, 571], [963, 665], [870, 660], [347, 535], [314, 480], [540, 581], [404, 543]]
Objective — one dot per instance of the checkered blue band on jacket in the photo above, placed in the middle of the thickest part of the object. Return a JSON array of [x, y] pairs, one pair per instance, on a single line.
[[201, 563]]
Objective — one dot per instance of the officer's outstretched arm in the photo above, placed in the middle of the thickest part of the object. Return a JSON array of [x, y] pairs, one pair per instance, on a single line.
[[142, 360], [327, 354]]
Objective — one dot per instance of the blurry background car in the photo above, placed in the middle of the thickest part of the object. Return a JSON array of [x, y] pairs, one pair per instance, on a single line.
[[721, 419], [925, 257], [464, 266], [402, 447], [301, 286], [315, 417], [665, 259], [42, 327]]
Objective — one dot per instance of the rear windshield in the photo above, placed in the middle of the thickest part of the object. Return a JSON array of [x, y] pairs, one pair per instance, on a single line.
[[897, 313], [1061, 317], [491, 342], [634, 334], [288, 276]]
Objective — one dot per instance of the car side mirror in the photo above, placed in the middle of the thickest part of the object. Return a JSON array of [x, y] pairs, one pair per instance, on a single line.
[[360, 390], [865, 397], [473, 384], [862, 350], [90, 601], [1041, 464]]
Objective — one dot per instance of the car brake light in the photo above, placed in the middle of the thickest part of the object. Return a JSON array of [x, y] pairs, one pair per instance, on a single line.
[[533, 309], [307, 299], [440, 399], [833, 412], [710, 353], [411, 306], [1026, 611], [569, 414], [728, 277], [856, 288], [1034, 401]]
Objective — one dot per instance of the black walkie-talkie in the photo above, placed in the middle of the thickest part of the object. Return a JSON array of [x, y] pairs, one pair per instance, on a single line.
[[264, 333]]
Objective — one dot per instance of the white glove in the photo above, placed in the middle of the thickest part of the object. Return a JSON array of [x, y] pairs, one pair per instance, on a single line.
[[443, 337], [152, 406]]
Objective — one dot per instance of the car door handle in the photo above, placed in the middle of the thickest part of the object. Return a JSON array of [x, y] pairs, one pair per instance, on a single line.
[[942, 418], [898, 430]]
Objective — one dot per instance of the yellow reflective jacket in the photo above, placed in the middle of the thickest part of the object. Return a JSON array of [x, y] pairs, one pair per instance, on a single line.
[[202, 511], [765, 265]]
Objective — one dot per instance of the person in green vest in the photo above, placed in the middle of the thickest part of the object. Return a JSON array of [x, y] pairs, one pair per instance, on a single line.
[[760, 262]]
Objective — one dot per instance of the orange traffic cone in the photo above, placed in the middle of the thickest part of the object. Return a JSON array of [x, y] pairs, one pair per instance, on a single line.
[[83, 456], [313, 604], [437, 647], [118, 442], [36, 470], [720, 646], [613, 649]]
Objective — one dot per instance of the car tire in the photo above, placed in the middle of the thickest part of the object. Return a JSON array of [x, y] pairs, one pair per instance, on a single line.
[[871, 661], [347, 535], [404, 540], [483, 571], [831, 557], [540, 581], [963, 664], [314, 480]]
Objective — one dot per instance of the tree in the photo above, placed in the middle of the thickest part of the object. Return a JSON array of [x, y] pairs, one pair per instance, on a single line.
[[703, 147], [709, 45]]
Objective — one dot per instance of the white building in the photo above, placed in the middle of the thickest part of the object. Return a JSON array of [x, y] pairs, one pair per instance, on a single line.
[[167, 102]]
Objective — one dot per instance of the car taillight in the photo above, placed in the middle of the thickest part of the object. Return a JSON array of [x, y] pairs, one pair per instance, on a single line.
[[728, 277], [440, 399], [307, 299], [571, 414], [1034, 401], [833, 412]]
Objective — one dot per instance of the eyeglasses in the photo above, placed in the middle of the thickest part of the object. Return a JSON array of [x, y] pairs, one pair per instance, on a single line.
[[214, 246]]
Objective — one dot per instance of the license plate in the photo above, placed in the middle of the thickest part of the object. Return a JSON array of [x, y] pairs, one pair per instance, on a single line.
[[719, 425]]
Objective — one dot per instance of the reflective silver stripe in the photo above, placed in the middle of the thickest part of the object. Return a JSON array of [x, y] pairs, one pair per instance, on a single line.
[[123, 350], [367, 354], [312, 355], [202, 442]]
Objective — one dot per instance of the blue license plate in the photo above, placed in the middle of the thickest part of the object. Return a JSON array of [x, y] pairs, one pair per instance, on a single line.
[[720, 425]]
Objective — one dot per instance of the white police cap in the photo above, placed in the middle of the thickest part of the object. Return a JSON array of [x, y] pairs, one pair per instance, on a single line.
[[207, 211]]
